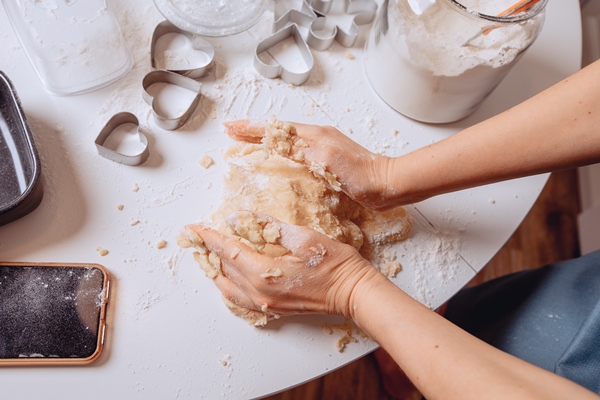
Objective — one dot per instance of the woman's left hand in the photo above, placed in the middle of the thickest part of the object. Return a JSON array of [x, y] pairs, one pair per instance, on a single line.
[[319, 276]]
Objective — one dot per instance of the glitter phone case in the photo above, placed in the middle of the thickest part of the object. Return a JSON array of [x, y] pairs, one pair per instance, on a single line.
[[52, 314]]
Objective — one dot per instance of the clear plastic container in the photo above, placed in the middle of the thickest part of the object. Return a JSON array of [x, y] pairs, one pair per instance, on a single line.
[[212, 17], [75, 46], [437, 60]]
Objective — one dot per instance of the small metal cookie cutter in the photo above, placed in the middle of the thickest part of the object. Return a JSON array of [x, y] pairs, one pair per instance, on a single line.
[[113, 123], [163, 76], [283, 7], [289, 16], [198, 44], [362, 12], [276, 70]]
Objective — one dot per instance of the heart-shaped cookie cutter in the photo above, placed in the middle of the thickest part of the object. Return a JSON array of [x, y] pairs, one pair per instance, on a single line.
[[292, 15], [197, 43], [113, 123], [286, 26], [362, 12], [283, 7], [163, 76]]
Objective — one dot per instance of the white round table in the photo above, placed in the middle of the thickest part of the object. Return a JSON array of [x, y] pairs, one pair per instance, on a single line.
[[168, 331]]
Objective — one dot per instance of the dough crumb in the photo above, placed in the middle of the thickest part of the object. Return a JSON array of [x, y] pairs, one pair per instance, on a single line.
[[257, 232], [350, 56], [185, 242], [319, 170], [275, 274], [225, 360], [135, 188], [348, 330], [161, 244], [255, 318], [120, 207], [264, 308], [102, 251], [391, 268], [134, 222], [318, 255], [384, 227], [209, 262], [340, 345], [206, 162]]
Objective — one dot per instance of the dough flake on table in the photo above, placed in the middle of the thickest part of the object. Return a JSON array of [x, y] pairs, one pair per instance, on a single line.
[[271, 178]]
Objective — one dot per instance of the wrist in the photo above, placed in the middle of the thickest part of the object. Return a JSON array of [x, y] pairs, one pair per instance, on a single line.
[[397, 182], [405, 181], [371, 282]]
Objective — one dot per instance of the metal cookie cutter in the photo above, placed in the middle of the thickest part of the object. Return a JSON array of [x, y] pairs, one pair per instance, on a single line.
[[162, 76], [283, 7], [287, 25], [198, 44], [362, 12], [113, 123]]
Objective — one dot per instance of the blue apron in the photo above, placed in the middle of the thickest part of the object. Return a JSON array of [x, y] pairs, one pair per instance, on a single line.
[[548, 316]]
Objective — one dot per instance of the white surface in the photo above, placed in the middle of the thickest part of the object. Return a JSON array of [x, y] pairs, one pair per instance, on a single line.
[[168, 330]]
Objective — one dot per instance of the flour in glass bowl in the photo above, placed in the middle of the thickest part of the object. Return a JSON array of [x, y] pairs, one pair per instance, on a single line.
[[438, 64]]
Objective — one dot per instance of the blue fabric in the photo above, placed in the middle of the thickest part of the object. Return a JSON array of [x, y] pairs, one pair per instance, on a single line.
[[549, 317]]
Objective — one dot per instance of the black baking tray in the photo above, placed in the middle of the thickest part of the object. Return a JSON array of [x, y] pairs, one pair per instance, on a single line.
[[20, 171]]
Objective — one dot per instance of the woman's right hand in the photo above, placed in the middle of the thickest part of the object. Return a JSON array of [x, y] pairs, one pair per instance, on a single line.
[[363, 175]]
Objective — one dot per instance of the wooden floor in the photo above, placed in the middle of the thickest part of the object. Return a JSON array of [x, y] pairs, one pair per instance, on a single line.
[[547, 234]]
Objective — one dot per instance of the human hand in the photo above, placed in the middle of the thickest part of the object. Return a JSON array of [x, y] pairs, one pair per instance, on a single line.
[[363, 175], [318, 275]]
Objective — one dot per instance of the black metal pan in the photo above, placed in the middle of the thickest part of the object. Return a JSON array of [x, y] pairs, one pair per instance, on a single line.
[[20, 170]]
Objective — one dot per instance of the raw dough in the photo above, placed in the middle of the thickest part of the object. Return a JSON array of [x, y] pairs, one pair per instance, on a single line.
[[206, 162], [271, 178]]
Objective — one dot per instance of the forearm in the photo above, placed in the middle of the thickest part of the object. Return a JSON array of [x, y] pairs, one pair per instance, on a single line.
[[442, 360], [557, 129]]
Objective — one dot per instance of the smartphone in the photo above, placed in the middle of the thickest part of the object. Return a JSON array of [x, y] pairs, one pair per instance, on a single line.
[[52, 314]]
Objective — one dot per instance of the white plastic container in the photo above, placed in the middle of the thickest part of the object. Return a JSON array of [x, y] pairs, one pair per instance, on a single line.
[[436, 60], [75, 46]]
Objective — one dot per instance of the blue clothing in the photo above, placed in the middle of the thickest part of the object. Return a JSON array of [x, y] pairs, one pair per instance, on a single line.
[[549, 317]]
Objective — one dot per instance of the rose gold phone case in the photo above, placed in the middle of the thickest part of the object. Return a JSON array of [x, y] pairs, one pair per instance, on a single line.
[[42, 361]]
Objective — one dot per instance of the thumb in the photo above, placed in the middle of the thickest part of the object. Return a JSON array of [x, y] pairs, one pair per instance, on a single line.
[[245, 130]]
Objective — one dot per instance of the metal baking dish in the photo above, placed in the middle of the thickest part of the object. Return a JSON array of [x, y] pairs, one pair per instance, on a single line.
[[20, 171]]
